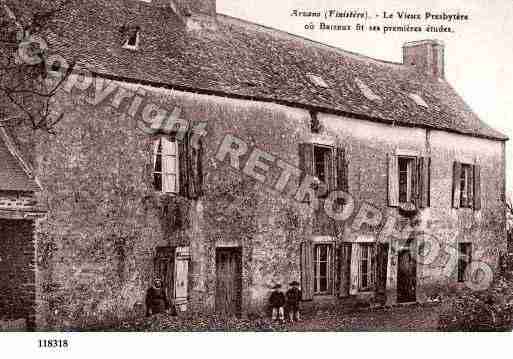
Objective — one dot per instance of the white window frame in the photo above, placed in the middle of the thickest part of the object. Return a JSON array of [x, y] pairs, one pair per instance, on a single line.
[[330, 268], [466, 186], [127, 46], [366, 249], [169, 166]]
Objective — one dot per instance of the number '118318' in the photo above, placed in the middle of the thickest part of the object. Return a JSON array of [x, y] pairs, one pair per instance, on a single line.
[[53, 343]]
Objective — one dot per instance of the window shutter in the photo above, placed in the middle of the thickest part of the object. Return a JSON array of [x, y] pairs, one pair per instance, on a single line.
[[182, 257], [196, 171], [342, 170], [331, 170], [168, 166], [477, 187], [424, 182], [382, 266], [306, 162], [355, 264], [344, 269], [456, 185], [183, 165], [393, 181], [415, 183], [307, 272]]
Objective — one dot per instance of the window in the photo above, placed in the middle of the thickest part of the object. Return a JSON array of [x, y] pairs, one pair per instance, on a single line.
[[406, 172], [366, 267], [132, 38], [165, 166], [323, 162], [323, 272], [464, 260], [317, 80], [418, 100], [366, 90], [409, 180], [466, 185]]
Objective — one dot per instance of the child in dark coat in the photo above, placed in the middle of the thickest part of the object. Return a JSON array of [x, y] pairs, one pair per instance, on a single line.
[[293, 298], [156, 299], [277, 302]]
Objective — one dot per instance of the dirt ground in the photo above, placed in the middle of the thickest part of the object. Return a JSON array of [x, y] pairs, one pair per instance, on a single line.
[[401, 318]]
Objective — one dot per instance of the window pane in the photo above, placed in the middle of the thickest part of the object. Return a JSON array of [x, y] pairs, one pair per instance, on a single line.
[[403, 180], [169, 183]]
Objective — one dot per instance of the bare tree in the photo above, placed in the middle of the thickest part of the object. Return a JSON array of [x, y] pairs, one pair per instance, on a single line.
[[25, 88]]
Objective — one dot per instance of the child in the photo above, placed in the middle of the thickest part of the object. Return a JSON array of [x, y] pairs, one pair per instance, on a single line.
[[277, 302], [293, 299]]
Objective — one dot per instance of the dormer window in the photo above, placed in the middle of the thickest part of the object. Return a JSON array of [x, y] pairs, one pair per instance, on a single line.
[[317, 80], [132, 37], [418, 100], [366, 90]]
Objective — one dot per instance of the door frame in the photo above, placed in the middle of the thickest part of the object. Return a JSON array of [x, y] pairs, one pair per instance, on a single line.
[[237, 250], [415, 277]]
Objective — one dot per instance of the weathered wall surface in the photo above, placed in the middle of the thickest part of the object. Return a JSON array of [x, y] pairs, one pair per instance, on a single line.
[[17, 270], [368, 145], [105, 221]]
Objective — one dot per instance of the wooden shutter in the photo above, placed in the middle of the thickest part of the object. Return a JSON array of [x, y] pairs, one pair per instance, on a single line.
[[306, 159], [331, 170], [306, 162], [415, 182], [456, 185], [382, 267], [184, 165], [393, 181], [344, 258], [196, 171], [169, 167], [342, 170], [424, 182], [307, 271], [477, 187], [182, 257], [355, 265]]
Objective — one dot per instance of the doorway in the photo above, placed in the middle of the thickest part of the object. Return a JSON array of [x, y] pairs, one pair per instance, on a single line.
[[406, 277], [165, 269], [228, 281]]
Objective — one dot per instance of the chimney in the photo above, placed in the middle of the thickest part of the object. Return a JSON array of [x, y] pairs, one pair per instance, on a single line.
[[426, 56], [189, 8]]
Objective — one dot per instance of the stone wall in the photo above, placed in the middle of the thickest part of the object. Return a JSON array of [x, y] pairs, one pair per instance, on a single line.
[[17, 270], [105, 221]]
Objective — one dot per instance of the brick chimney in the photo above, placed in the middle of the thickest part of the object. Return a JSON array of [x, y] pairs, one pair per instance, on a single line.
[[188, 8], [426, 56]]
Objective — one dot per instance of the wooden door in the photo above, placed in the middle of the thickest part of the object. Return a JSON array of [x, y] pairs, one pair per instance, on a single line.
[[406, 277], [164, 269], [229, 281]]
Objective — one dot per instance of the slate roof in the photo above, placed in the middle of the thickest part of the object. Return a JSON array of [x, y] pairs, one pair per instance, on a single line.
[[12, 175], [245, 60]]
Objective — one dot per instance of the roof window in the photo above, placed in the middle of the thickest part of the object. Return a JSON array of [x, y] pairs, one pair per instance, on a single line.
[[418, 100], [317, 80], [366, 91], [132, 37]]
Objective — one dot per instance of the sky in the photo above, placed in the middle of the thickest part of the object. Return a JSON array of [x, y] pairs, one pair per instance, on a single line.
[[477, 55]]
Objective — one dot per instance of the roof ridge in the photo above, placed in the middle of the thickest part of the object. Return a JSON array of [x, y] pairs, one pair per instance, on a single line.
[[314, 42]]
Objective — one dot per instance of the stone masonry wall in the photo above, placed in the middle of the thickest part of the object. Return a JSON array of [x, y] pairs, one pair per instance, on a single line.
[[105, 221], [17, 273]]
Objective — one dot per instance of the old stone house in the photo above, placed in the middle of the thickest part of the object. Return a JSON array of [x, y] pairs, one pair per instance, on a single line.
[[223, 216]]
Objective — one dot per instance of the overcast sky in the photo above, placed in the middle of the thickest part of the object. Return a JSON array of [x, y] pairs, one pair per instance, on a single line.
[[478, 54]]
